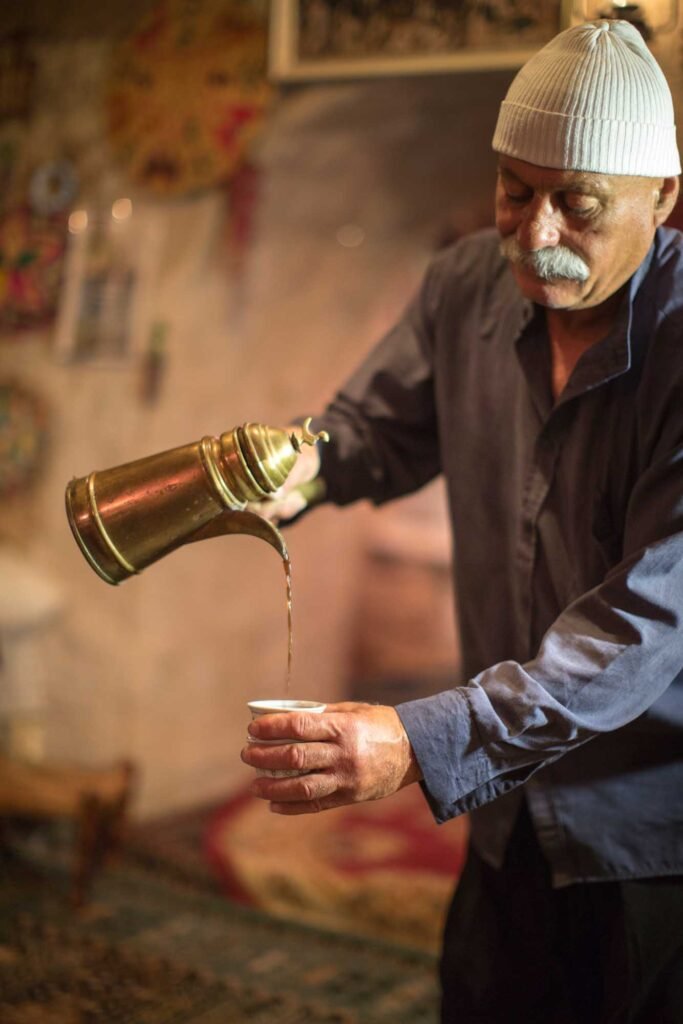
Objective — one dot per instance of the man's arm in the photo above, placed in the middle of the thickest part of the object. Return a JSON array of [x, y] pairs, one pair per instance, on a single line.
[[602, 663]]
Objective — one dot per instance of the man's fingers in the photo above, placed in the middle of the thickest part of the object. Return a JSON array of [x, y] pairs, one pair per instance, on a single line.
[[294, 725], [306, 808], [279, 507], [313, 788], [300, 757]]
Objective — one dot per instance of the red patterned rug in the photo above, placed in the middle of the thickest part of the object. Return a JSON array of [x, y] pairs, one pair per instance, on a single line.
[[382, 869]]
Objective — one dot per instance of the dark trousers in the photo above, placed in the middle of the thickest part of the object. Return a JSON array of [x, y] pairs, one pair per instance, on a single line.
[[517, 951]]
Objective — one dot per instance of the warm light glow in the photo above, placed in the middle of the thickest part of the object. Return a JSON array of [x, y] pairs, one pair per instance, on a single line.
[[78, 221], [121, 209]]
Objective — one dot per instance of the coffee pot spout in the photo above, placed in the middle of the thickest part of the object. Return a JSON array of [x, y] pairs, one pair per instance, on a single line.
[[246, 523]]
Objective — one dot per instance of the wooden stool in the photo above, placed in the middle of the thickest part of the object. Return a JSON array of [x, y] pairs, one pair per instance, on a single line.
[[95, 799]]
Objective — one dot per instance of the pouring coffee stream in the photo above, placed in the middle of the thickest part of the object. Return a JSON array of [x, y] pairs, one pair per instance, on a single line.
[[128, 517]]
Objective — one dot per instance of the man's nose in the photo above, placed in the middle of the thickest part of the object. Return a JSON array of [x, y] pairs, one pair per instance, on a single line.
[[539, 227]]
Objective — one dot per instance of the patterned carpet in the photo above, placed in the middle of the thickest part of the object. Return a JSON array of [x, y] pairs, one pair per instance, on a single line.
[[382, 869], [151, 949]]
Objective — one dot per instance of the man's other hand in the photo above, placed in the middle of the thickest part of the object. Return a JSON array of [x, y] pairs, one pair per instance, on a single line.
[[302, 488]]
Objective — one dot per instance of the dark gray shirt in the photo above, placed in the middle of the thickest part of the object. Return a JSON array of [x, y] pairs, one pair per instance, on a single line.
[[567, 521]]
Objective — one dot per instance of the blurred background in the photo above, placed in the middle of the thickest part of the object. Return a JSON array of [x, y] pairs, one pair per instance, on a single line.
[[210, 210], [187, 243], [187, 246]]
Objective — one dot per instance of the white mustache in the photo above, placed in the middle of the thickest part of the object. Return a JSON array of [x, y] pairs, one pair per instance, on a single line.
[[550, 264]]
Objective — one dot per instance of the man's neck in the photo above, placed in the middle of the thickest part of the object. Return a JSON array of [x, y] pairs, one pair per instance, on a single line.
[[572, 332]]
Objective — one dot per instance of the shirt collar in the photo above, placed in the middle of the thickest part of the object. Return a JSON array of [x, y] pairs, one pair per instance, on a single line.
[[604, 361]]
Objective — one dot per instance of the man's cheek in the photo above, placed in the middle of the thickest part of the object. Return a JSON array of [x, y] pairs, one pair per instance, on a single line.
[[506, 222]]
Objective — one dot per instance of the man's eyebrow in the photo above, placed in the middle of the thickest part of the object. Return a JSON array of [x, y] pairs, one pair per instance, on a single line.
[[505, 172], [587, 183]]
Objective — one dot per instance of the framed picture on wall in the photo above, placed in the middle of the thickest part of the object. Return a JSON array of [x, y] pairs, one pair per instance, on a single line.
[[110, 269], [327, 39]]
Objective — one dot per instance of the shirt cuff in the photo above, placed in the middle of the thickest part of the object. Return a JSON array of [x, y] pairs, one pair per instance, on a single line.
[[442, 732]]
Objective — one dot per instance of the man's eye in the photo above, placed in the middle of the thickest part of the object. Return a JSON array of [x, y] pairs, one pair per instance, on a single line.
[[580, 205], [516, 197]]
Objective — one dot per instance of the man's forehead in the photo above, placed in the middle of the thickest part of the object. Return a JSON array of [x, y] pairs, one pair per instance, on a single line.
[[552, 178]]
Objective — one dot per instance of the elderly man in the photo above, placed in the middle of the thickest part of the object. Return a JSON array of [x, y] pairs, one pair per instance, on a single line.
[[540, 369]]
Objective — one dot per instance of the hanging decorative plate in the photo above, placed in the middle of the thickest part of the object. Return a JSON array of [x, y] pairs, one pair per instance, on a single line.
[[31, 256], [23, 436], [187, 95]]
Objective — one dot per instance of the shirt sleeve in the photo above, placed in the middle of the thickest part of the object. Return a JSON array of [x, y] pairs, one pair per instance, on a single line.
[[604, 661], [382, 423]]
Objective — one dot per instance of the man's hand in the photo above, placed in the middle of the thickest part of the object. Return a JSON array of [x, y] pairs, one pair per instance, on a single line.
[[301, 488], [352, 752]]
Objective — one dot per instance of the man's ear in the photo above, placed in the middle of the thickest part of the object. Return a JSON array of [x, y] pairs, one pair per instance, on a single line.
[[665, 199]]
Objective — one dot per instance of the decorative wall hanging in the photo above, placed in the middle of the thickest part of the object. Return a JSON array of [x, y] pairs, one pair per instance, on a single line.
[[187, 95], [23, 436], [31, 257], [243, 199], [316, 39], [154, 363]]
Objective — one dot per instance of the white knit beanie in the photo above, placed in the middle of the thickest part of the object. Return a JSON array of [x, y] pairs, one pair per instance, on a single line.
[[593, 99]]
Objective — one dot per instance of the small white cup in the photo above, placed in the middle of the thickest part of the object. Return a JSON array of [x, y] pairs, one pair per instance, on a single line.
[[277, 707]]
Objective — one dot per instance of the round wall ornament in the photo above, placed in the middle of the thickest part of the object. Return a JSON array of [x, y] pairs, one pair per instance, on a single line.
[[53, 187]]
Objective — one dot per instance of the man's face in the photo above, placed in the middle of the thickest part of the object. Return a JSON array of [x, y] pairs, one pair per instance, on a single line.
[[573, 238]]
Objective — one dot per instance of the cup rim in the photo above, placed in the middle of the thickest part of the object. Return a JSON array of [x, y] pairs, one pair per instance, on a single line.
[[262, 707]]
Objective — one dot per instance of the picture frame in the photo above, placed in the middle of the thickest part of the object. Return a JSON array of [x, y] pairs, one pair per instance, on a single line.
[[314, 40], [110, 272]]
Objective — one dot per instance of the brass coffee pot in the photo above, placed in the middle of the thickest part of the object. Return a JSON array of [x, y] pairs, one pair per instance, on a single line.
[[127, 517]]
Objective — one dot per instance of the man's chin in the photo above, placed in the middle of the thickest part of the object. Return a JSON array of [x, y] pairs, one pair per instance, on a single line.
[[558, 293]]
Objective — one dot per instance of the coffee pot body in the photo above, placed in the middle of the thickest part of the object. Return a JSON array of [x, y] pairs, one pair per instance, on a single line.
[[130, 516]]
